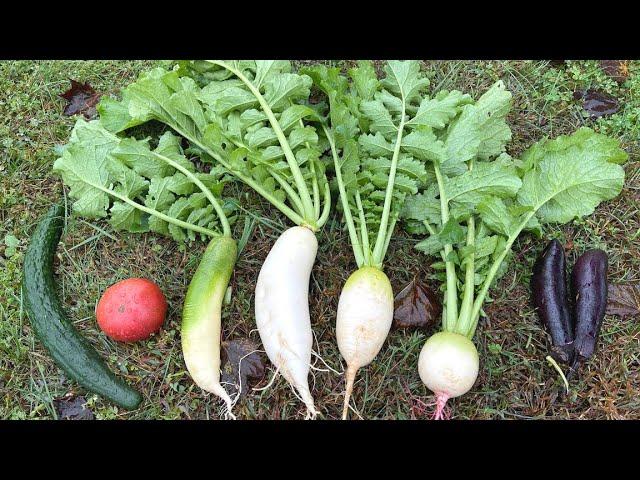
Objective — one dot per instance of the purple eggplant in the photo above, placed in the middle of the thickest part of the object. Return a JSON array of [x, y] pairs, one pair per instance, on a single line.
[[589, 289], [550, 299]]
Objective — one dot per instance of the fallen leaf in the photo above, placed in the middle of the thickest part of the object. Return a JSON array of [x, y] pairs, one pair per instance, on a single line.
[[11, 245], [242, 363], [416, 306], [623, 299], [618, 70], [72, 409], [596, 103], [81, 98]]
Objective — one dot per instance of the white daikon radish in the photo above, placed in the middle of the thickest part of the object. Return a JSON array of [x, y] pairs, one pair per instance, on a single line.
[[375, 169], [365, 312], [282, 308]]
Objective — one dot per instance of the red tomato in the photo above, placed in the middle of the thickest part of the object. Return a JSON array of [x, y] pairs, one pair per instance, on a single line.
[[131, 310]]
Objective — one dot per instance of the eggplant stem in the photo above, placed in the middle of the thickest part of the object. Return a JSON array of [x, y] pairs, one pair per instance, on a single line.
[[555, 365]]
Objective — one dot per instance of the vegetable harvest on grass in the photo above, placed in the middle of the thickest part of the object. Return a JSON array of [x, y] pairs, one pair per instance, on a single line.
[[250, 118], [394, 154], [479, 201], [70, 350], [140, 189], [378, 166]]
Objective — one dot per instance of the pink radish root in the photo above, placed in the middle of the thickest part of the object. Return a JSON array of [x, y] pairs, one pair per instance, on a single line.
[[443, 412], [419, 408]]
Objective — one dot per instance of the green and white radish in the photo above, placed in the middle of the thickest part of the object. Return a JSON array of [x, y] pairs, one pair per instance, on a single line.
[[477, 204], [139, 189], [372, 145], [202, 316]]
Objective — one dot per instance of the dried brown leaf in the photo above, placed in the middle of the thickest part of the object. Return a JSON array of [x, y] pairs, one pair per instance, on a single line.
[[81, 98], [72, 408], [416, 306], [618, 70], [597, 103], [242, 363], [623, 299]]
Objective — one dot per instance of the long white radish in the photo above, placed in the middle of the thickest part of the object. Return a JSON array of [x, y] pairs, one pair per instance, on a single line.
[[282, 308], [365, 313], [448, 366]]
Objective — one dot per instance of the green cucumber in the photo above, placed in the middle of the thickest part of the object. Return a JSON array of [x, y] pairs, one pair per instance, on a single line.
[[67, 347]]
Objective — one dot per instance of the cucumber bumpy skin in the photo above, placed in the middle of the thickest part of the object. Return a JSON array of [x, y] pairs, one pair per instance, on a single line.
[[71, 352]]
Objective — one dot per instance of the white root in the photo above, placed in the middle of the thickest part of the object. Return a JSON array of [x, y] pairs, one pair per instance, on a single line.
[[329, 367], [273, 379]]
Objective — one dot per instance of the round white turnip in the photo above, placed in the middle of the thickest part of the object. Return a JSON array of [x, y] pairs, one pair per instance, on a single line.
[[448, 366]]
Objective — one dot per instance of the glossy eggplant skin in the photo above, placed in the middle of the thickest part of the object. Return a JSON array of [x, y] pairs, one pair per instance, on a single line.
[[550, 299], [589, 290]]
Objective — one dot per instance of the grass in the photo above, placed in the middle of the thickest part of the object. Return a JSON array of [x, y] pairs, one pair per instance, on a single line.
[[515, 380]]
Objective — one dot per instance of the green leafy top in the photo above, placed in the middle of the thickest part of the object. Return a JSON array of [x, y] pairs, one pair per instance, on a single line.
[[381, 137], [482, 198], [250, 117], [140, 189]]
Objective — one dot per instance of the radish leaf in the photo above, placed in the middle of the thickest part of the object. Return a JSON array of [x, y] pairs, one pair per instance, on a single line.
[[135, 187]]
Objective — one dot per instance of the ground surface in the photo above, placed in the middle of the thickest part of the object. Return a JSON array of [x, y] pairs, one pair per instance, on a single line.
[[515, 381]]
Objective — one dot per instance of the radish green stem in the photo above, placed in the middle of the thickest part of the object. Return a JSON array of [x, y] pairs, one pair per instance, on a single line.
[[392, 226], [293, 196], [364, 234], [429, 228], [316, 190], [353, 235], [286, 148], [477, 305], [451, 315], [151, 211], [378, 249], [465, 320], [291, 193], [288, 212], [226, 228], [326, 208], [432, 231]]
